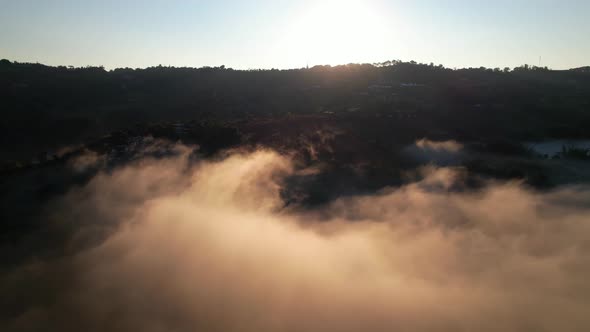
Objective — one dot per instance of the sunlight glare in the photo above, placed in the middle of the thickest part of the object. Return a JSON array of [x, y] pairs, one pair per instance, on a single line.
[[338, 32]]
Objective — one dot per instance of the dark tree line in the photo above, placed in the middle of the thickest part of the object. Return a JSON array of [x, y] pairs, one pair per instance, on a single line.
[[44, 107]]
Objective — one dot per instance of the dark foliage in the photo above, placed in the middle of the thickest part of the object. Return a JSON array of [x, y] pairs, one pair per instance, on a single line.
[[44, 108]]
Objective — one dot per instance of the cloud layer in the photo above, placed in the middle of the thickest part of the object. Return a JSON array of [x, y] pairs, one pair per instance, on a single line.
[[169, 245]]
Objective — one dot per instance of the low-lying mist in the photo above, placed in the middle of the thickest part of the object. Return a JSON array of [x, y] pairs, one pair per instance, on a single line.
[[170, 244]]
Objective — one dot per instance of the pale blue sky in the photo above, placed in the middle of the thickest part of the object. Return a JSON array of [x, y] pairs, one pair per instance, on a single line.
[[290, 33]]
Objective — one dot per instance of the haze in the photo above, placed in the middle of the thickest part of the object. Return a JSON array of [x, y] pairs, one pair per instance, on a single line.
[[287, 166]]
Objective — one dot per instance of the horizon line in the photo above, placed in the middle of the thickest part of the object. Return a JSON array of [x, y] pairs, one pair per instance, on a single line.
[[374, 64]]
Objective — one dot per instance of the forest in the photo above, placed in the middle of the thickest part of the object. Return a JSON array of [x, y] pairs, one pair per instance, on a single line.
[[47, 108]]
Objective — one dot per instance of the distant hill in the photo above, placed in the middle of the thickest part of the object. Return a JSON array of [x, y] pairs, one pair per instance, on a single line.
[[45, 107], [582, 69]]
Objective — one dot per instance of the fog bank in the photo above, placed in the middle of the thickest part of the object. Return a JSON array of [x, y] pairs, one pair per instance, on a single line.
[[172, 245]]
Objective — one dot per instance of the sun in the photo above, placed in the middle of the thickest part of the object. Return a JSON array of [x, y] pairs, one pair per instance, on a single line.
[[339, 32]]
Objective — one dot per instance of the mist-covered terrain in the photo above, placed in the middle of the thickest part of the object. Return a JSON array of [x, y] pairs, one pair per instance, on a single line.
[[392, 196]]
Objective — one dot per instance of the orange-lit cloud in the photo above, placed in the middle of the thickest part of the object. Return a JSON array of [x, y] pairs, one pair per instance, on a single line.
[[210, 247]]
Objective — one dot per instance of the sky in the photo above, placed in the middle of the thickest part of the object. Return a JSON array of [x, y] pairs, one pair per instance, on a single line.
[[295, 33]]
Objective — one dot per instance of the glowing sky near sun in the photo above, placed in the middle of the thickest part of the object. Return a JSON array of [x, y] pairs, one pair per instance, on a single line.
[[291, 34]]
